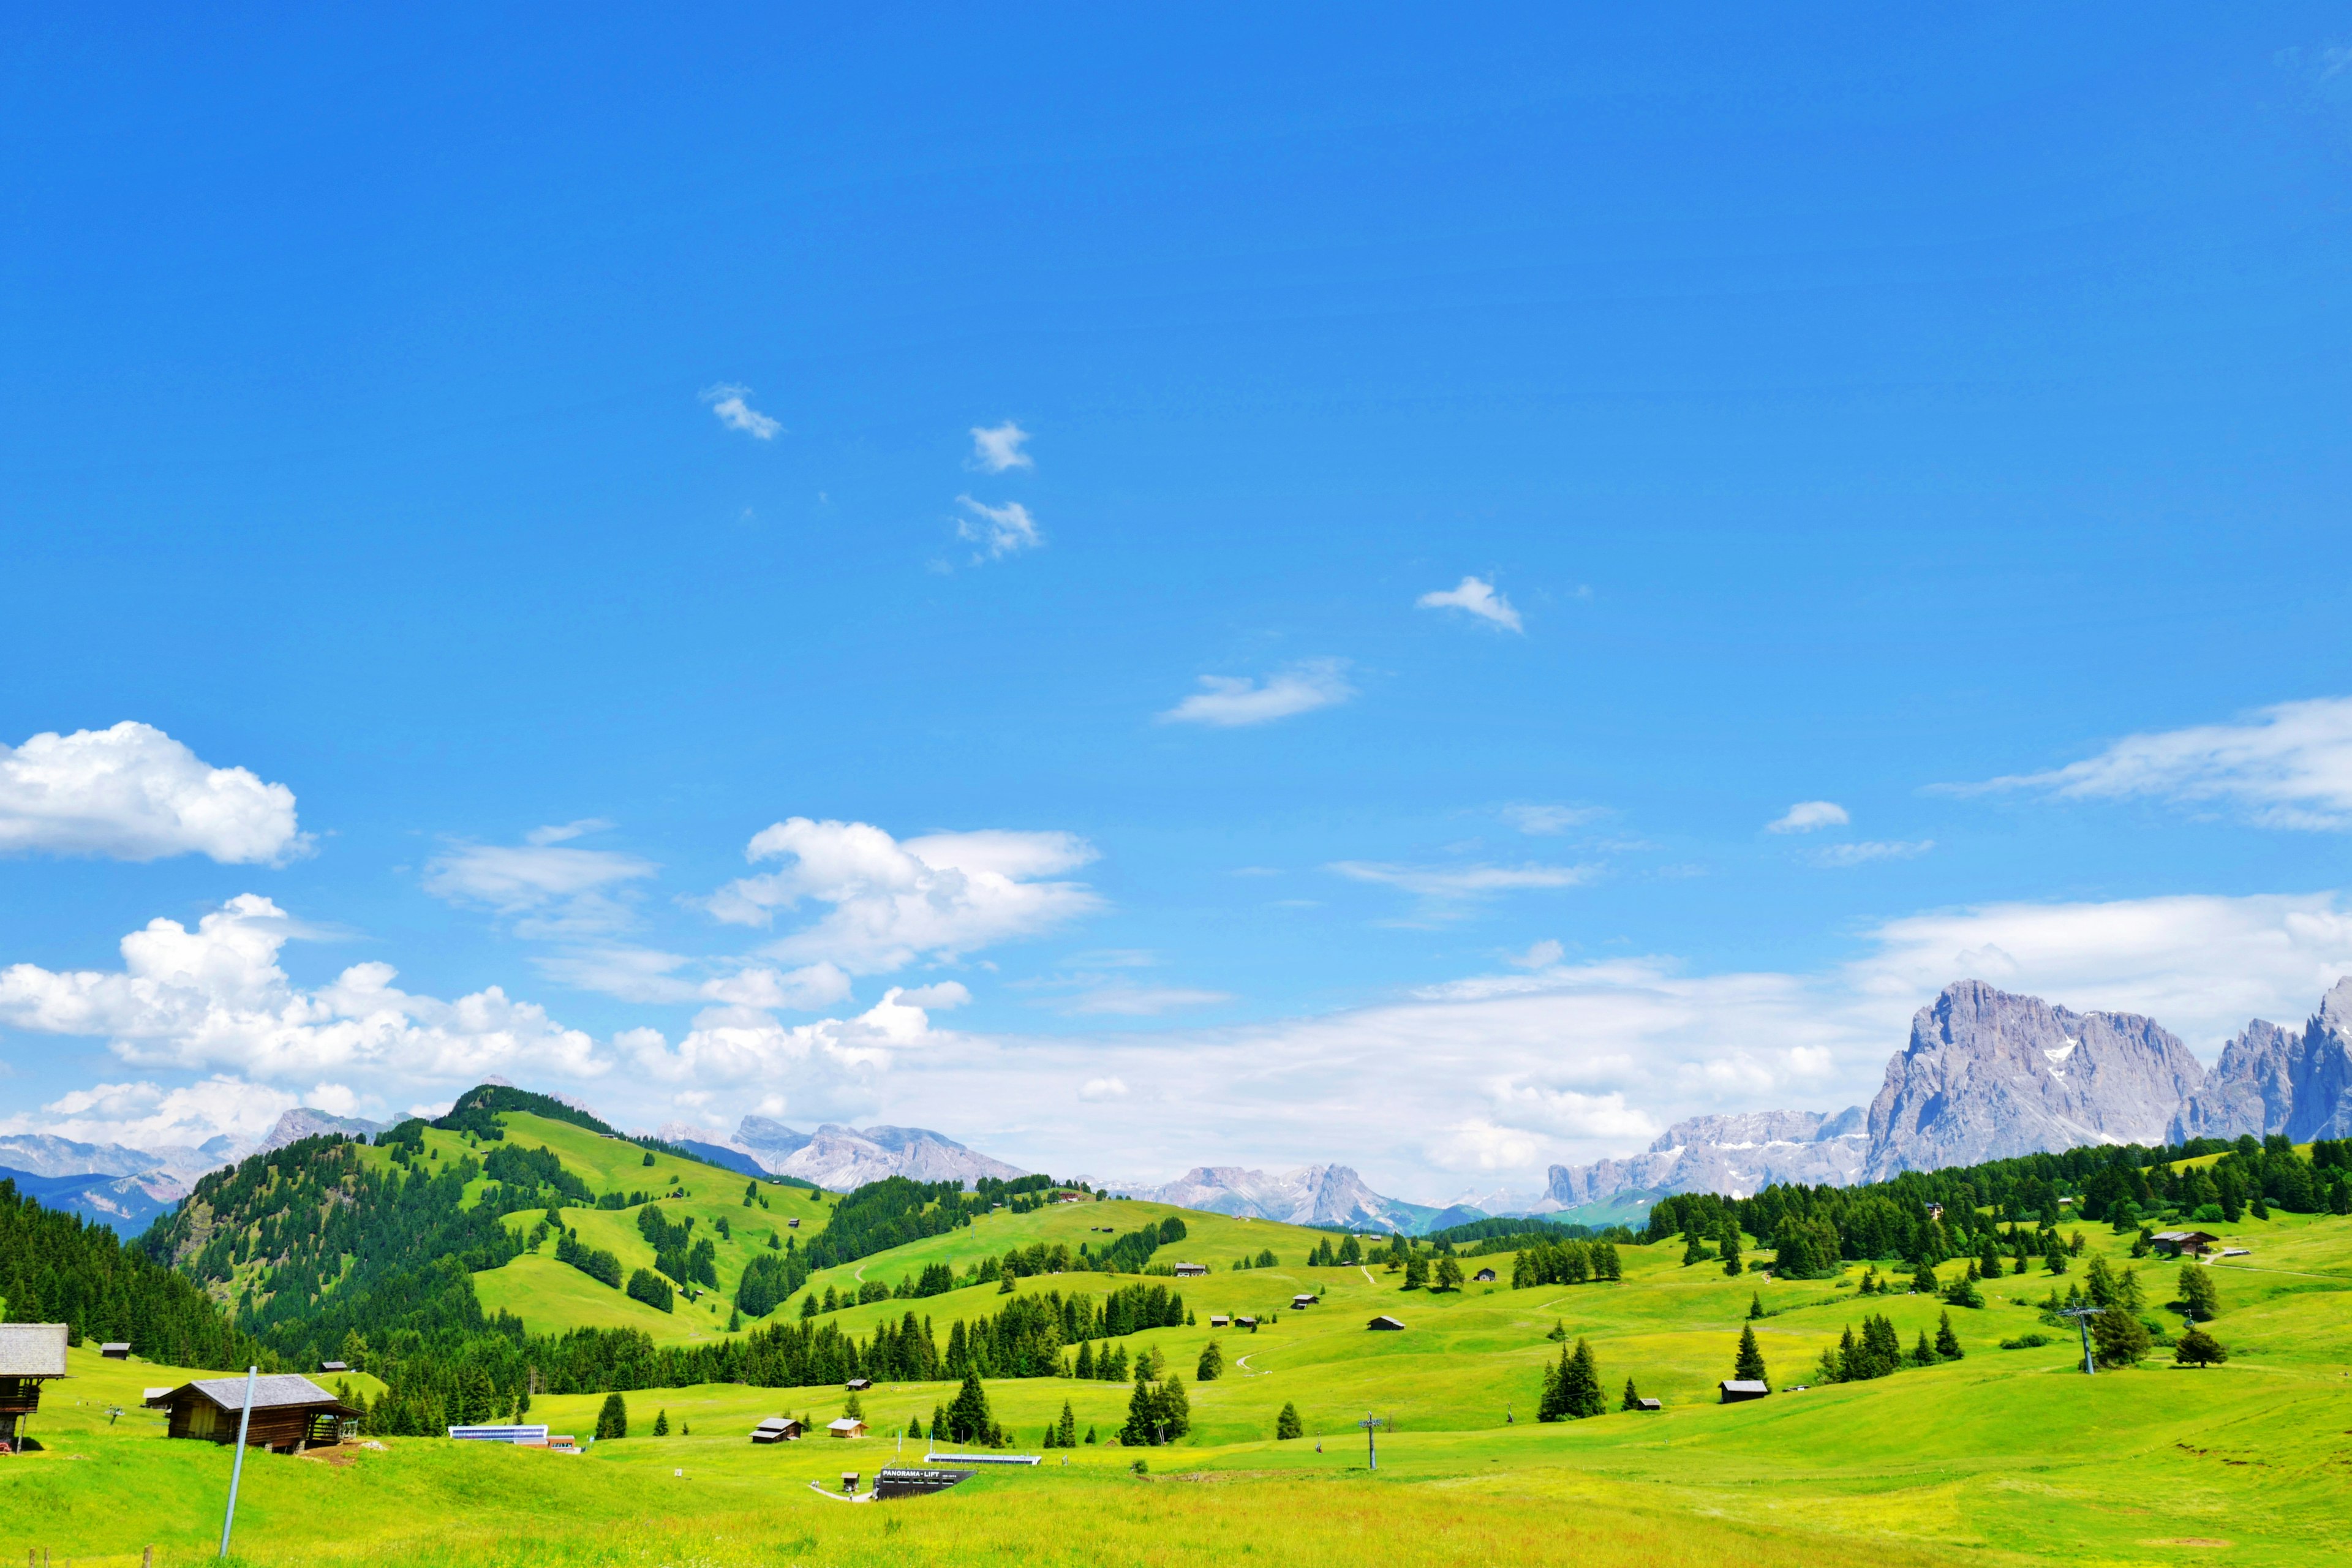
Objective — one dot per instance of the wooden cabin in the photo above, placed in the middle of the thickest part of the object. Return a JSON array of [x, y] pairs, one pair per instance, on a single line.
[[1735, 1389], [291, 1412], [30, 1354], [847, 1426], [1304, 1299], [777, 1429], [115, 1349], [1483, 1276], [1647, 1405], [858, 1385], [1190, 1271], [2173, 1242], [1384, 1324]]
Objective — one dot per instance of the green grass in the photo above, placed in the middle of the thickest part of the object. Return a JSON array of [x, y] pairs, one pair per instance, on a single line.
[[2002, 1458]]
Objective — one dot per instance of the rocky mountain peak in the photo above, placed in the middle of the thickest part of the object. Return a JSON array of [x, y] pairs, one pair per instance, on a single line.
[[1988, 1074]]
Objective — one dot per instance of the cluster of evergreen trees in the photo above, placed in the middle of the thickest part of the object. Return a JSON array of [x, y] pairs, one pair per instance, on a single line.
[[1157, 1411], [1571, 1390], [1878, 1351], [56, 1267], [1566, 1263], [677, 1252], [1935, 1215]]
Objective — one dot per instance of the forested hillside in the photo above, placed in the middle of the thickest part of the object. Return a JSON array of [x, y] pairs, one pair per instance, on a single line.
[[56, 1267]]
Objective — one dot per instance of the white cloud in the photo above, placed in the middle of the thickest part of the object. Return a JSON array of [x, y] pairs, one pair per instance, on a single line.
[[132, 793], [1229, 702], [556, 889], [831, 1057], [996, 448], [1808, 814], [1542, 821], [215, 997], [2289, 765], [727, 401], [1477, 596], [1102, 1088], [1454, 883], [1863, 853], [938, 998], [999, 530], [1541, 955], [940, 895]]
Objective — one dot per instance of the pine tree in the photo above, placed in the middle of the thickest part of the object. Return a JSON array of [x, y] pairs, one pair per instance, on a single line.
[[612, 1420], [734, 1320], [1923, 1353], [1923, 1278], [1549, 1407], [1948, 1343], [969, 1419], [1065, 1436], [1090, 1435], [1632, 1400], [2197, 1348], [915, 1428], [1693, 1250], [1212, 1365], [1755, 1305], [939, 1423], [2199, 1293], [1580, 1384], [2120, 1338], [661, 1423], [1748, 1367], [1086, 1362], [1288, 1426]]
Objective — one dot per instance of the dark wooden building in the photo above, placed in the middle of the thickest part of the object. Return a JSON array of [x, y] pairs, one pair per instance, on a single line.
[[291, 1412], [1384, 1324], [30, 1354], [1735, 1389]]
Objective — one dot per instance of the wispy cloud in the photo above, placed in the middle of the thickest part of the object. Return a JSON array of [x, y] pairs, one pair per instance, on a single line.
[[553, 889], [1127, 1001], [1453, 884], [1867, 851], [1477, 596], [1229, 701], [1539, 955], [1541, 821], [2289, 765], [1808, 814], [727, 401], [996, 448], [999, 530]]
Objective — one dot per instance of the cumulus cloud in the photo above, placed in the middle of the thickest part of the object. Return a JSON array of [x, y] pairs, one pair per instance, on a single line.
[[147, 1116], [1102, 1088], [554, 889], [132, 793], [1476, 597], [939, 896], [1229, 702], [1868, 850], [996, 448], [215, 998], [1808, 814], [2289, 765], [999, 530], [744, 1045], [727, 401]]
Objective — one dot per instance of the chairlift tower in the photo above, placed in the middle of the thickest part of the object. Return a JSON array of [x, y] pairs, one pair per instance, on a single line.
[[2083, 1316], [1370, 1423]]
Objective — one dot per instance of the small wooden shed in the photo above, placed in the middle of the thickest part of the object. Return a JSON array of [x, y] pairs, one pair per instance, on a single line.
[[291, 1412], [858, 1385], [1219, 1320], [1736, 1389], [777, 1429], [847, 1426], [1384, 1324], [115, 1349], [2176, 1242], [1647, 1405], [1304, 1298], [333, 1366], [1190, 1271], [30, 1354], [1483, 1276]]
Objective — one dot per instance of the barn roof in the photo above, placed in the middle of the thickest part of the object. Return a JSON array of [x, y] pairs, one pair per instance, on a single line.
[[32, 1350], [278, 1390], [1744, 1385]]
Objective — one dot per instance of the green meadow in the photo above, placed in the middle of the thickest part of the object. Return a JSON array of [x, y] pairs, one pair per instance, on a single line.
[[2002, 1456]]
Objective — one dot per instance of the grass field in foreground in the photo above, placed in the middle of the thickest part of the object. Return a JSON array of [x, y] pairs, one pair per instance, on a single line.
[[2006, 1457]]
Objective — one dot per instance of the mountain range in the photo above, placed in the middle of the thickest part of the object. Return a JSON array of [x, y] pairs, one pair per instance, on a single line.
[[1988, 1076], [1985, 1075]]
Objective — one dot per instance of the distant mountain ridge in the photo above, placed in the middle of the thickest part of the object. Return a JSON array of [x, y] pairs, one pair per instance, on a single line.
[[1311, 1195], [1987, 1075], [839, 1158]]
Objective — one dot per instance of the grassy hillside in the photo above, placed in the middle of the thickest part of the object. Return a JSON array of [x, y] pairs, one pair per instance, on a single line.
[[2003, 1457]]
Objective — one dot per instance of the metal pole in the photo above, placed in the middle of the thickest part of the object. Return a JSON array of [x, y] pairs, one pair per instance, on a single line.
[[237, 1471]]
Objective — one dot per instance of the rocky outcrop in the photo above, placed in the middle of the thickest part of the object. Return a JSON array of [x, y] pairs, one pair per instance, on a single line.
[[1736, 1155], [304, 1123], [1990, 1076], [2270, 1080], [842, 1158]]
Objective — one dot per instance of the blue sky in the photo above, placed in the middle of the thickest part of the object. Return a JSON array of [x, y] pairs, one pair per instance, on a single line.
[[554, 450]]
